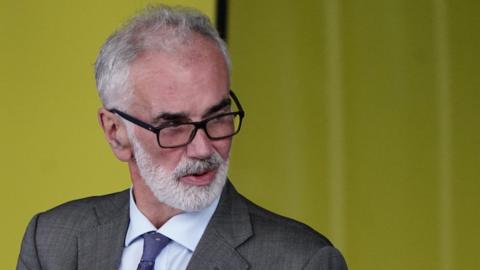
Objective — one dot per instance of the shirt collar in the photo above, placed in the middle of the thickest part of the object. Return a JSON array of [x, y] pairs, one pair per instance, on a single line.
[[185, 228]]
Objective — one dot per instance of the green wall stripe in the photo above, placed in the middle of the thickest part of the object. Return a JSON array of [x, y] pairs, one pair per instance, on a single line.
[[336, 167], [445, 137]]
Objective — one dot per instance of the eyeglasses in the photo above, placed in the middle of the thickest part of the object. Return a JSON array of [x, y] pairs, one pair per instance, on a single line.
[[217, 127]]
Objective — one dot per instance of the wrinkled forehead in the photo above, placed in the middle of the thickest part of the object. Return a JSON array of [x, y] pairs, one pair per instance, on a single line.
[[190, 79]]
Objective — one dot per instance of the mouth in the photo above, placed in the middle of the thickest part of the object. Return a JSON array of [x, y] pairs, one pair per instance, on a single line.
[[202, 178]]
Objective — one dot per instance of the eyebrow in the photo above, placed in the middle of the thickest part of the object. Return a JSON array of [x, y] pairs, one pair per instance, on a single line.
[[218, 107], [168, 116], [183, 116]]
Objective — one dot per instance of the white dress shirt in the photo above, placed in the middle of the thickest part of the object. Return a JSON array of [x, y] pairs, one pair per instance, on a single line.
[[185, 230]]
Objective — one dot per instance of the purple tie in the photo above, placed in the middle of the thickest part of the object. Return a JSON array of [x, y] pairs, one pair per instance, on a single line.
[[153, 243]]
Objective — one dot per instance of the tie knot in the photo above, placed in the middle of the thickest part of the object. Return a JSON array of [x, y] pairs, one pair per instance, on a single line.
[[153, 244]]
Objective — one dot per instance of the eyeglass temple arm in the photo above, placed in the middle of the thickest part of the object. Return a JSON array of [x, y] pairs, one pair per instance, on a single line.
[[232, 94], [134, 120]]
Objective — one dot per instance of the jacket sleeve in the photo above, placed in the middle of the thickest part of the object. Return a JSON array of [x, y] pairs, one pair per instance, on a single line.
[[28, 258], [327, 258]]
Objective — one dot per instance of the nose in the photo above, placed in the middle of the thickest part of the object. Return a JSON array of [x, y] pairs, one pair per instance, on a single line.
[[200, 147]]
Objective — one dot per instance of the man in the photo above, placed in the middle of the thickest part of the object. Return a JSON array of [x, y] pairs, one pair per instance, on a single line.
[[169, 114]]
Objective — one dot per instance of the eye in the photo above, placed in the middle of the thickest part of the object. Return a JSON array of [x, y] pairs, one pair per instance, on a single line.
[[170, 123], [226, 109]]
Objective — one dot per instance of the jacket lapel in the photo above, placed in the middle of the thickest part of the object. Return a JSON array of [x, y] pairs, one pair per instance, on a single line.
[[229, 227], [101, 247]]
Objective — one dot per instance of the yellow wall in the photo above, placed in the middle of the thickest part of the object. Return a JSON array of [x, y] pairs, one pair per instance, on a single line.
[[52, 147], [363, 121]]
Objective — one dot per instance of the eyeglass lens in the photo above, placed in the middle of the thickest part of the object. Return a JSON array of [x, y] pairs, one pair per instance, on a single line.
[[219, 127]]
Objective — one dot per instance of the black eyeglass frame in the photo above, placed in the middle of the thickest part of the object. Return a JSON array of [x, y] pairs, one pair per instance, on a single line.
[[197, 125]]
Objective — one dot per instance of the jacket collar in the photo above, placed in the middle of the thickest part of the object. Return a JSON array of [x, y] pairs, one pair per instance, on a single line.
[[229, 227]]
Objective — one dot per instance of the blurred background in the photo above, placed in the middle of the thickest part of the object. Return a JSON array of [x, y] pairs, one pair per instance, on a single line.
[[362, 119]]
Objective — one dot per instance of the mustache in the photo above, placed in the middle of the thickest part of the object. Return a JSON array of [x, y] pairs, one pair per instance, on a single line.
[[195, 166]]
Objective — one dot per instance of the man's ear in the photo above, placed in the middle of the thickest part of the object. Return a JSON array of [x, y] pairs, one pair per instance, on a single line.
[[116, 134]]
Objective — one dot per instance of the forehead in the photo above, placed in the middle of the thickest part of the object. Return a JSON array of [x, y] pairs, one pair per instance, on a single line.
[[188, 79]]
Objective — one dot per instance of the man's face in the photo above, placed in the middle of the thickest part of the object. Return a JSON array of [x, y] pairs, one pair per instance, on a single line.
[[185, 85]]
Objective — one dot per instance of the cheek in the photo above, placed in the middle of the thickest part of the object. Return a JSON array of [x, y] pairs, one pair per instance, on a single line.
[[148, 142], [223, 148], [168, 158]]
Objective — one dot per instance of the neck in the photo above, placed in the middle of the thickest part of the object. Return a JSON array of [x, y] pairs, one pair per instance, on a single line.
[[155, 211]]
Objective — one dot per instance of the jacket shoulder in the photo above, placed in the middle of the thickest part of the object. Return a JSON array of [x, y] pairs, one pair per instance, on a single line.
[[284, 228], [50, 240], [285, 243], [81, 213]]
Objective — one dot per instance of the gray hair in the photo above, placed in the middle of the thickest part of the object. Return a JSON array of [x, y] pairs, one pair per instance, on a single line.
[[155, 28]]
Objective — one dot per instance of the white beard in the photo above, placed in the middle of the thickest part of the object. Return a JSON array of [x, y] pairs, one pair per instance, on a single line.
[[167, 187]]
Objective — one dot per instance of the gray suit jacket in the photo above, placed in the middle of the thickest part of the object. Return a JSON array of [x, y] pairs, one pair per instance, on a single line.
[[89, 234]]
